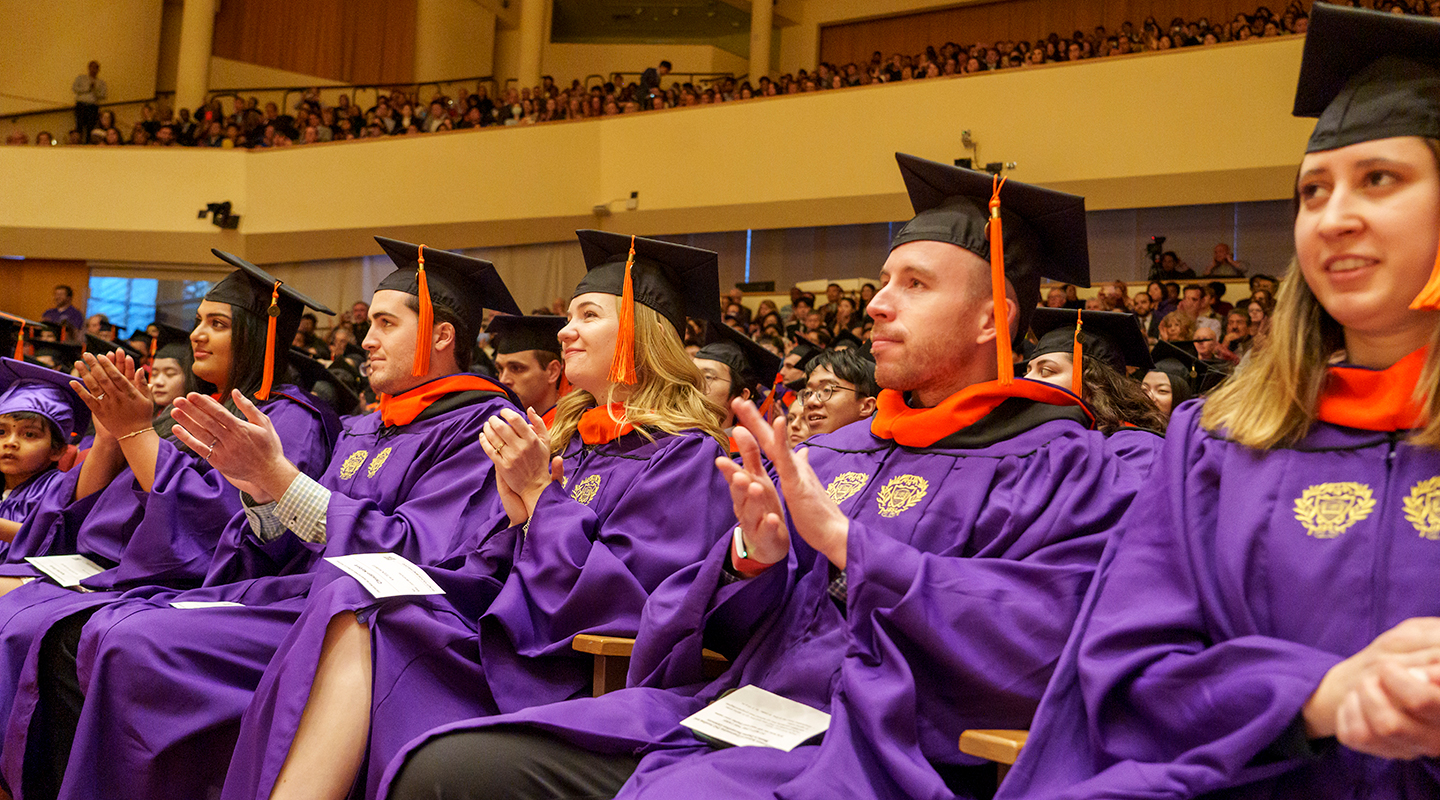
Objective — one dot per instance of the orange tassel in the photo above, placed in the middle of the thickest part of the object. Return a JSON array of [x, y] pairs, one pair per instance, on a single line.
[[269, 376], [20, 344], [1429, 297], [1077, 372], [1003, 357], [154, 347], [622, 365], [425, 337], [769, 405]]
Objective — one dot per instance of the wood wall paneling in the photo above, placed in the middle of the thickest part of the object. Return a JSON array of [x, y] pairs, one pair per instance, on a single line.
[[844, 42], [355, 41], [29, 282]]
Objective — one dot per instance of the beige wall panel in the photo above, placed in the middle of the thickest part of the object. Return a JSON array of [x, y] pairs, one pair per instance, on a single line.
[[43, 46]]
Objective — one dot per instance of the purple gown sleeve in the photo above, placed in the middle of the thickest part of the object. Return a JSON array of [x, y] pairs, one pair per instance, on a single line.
[[577, 572], [189, 504], [1150, 693]]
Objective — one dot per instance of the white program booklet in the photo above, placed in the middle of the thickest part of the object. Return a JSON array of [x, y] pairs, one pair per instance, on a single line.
[[184, 604], [751, 716], [66, 570], [386, 574]]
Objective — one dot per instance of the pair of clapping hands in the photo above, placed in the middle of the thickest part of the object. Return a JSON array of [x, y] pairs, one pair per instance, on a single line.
[[1385, 699], [520, 450]]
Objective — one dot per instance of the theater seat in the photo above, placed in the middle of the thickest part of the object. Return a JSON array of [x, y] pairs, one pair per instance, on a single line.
[[1000, 746], [612, 660]]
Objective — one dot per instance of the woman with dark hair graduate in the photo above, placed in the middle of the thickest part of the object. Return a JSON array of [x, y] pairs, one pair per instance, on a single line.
[[1265, 622], [621, 493], [143, 509]]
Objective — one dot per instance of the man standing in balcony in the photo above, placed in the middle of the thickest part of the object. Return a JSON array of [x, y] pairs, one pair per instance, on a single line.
[[90, 92], [650, 79]]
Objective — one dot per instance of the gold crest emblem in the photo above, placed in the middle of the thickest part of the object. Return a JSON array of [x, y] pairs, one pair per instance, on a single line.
[[585, 490], [902, 492], [352, 464], [845, 485], [377, 462], [1329, 509], [1422, 508]]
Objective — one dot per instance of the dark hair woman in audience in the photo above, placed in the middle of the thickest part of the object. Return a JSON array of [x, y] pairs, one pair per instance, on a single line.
[[635, 442], [1111, 342], [1265, 626]]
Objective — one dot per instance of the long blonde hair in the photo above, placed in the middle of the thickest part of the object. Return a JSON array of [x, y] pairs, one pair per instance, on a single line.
[[1271, 400], [669, 392]]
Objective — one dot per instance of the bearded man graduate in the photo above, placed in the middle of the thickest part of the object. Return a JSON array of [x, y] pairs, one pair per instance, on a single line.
[[166, 676], [920, 578]]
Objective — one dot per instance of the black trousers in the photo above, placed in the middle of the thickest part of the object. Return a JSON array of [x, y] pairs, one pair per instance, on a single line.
[[509, 763], [87, 116], [521, 763], [57, 714]]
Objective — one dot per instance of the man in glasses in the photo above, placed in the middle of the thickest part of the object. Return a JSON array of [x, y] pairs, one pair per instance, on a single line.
[[839, 389]]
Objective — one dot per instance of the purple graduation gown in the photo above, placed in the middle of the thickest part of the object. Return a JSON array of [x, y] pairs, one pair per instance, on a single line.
[[630, 514], [26, 497], [165, 687], [966, 564], [1238, 581], [164, 537]]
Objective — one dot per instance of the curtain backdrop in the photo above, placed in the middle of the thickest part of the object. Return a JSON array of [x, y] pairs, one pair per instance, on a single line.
[[355, 41]]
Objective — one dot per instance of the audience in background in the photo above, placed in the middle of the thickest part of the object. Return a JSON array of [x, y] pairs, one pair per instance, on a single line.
[[250, 124]]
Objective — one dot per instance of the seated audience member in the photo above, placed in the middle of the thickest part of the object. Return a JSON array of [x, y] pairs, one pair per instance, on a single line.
[[1207, 344], [171, 377], [1177, 326], [38, 414], [1110, 343], [797, 363], [734, 367], [1143, 307], [640, 499], [527, 360], [409, 479], [839, 390], [1237, 336], [857, 597], [1247, 637], [796, 431]]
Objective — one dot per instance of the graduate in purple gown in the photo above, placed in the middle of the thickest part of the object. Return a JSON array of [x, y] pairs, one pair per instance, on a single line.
[[144, 503], [164, 685], [1265, 622], [39, 413], [1108, 343], [637, 498], [528, 360], [919, 580]]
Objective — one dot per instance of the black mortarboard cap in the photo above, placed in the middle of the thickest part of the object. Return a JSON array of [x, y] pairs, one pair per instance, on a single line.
[[513, 334], [63, 354], [99, 347], [12, 333], [1369, 75], [750, 364], [464, 285], [1180, 362], [318, 380], [250, 288], [1113, 337], [255, 291], [675, 280], [807, 350], [1043, 230], [847, 340]]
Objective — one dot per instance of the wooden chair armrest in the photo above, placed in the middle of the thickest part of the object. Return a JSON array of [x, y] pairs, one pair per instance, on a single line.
[[621, 646], [612, 660], [603, 645], [1000, 746]]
